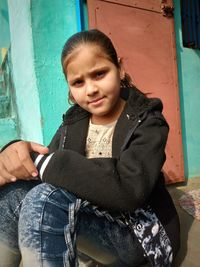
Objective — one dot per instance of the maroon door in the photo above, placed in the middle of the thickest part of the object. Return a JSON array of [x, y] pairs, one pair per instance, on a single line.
[[145, 40]]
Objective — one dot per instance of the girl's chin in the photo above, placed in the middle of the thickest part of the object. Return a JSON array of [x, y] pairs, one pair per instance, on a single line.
[[99, 112], [102, 118]]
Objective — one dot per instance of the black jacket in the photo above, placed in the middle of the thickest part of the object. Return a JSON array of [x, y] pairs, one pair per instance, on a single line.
[[125, 181], [130, 179]]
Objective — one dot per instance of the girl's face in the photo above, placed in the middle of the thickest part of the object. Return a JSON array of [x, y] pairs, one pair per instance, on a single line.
[[94, 82]]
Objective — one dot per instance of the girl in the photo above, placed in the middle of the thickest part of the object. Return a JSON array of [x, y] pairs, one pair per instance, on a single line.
[[102, 184]]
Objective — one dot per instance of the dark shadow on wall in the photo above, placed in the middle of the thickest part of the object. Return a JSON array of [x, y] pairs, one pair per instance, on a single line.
[[186, 222]]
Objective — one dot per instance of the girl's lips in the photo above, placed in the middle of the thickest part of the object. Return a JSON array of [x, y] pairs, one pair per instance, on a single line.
[[96, 101]]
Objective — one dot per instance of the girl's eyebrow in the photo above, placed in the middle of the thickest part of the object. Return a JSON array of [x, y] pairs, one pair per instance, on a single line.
[[93, 71], [98, 69]]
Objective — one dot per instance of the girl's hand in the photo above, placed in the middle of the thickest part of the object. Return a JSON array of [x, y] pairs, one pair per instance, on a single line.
[[16, 163]]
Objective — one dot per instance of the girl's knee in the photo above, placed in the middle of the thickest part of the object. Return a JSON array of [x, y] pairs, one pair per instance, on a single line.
[[45, 192], [40, 191], [34, 202], [43, 202], [31, 214], [43, 216]]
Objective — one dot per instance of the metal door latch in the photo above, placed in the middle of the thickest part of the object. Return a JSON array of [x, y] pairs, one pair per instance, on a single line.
[[167, 9]]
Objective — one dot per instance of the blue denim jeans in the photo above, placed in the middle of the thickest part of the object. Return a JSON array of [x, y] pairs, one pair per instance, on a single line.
[[33, 221]]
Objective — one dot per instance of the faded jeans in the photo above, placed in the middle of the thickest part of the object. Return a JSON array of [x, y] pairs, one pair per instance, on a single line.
[[33, 219]]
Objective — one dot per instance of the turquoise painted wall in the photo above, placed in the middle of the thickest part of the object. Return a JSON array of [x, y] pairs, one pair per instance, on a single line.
[[52, 23], [8, 131], [8, 123], [189, 84], [39, 29], [22, 55], [4, 27]]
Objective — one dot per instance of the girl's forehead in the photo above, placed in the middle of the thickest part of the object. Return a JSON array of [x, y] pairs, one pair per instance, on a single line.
[[93, 48], [86, 49]]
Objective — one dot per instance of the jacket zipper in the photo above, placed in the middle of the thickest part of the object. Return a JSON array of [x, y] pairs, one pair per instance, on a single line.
[[63, 138], [131, 132]]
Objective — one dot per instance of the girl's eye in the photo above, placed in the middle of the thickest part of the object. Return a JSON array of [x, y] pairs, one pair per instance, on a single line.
[[77, 83], [100, 74]]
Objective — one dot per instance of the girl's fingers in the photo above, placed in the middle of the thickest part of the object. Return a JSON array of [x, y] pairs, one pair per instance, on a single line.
[[24, 156], [5, 176], [27, 163], [38, 148], [15, 171], [14, 166], [11, 163], [17, 161], [23, 164], [19, 170]]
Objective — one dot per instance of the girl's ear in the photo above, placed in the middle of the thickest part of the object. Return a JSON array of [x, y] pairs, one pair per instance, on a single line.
[[71, 99], [122, 71]]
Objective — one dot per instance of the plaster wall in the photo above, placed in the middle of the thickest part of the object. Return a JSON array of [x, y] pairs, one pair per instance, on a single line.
[[52, 23], [4, 28], [8, 131], [8, 123], [22, 55], [189, 84]]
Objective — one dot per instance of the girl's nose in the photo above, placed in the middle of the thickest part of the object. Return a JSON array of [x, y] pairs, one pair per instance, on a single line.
[[91, 88]]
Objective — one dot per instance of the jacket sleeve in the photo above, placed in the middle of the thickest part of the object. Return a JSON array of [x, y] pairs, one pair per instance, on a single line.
[[121, 184]]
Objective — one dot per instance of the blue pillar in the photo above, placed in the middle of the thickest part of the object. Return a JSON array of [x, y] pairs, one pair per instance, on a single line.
[[81, 15]]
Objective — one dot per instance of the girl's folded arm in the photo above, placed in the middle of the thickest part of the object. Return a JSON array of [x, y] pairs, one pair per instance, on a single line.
[[111, 183]]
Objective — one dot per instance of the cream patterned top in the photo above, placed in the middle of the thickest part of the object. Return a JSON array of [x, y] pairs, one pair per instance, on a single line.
[[99, 140]]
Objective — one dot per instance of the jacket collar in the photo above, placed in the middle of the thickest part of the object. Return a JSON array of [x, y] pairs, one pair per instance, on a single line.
[[136, 104], [77, 120]]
